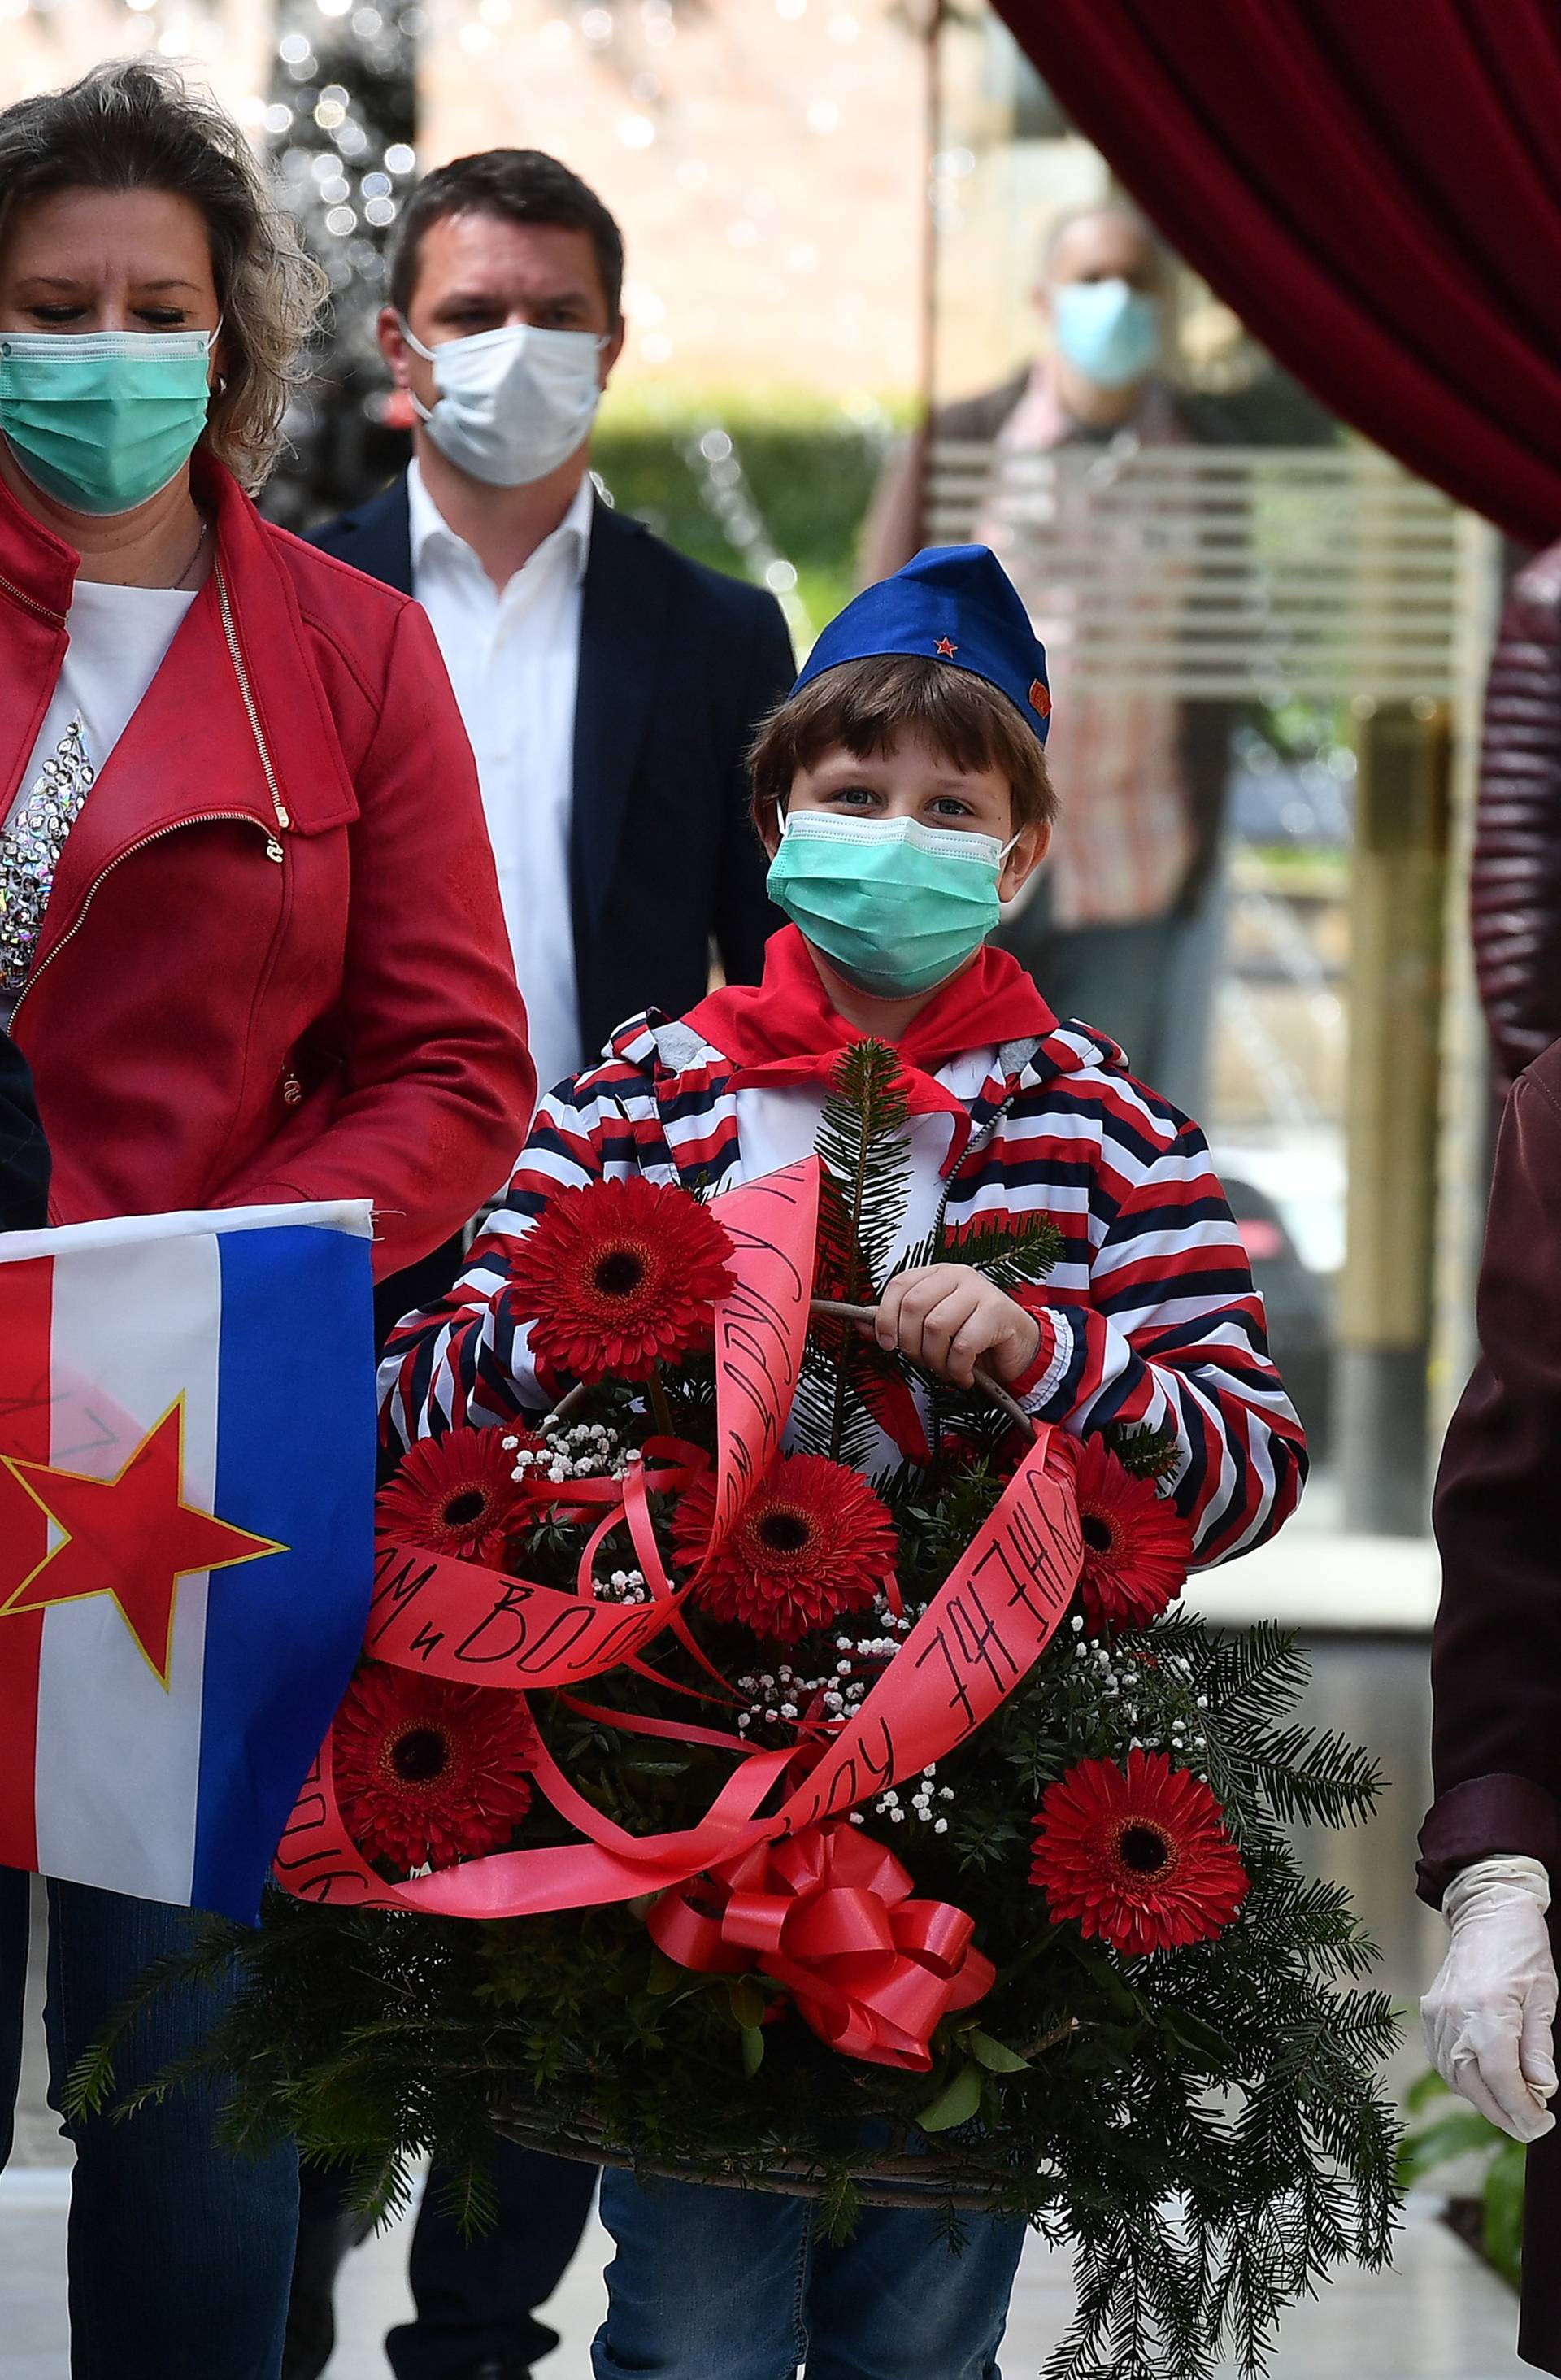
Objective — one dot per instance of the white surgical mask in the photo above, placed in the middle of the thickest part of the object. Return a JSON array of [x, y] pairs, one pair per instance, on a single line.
[[514, 403]]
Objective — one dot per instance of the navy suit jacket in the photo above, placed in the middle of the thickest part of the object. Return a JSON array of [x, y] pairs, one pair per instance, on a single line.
[[24, 1156], [677, 665]]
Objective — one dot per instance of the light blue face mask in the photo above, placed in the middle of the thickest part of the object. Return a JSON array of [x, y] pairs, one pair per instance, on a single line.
[[897, 906], [1107, 330], [102, 420]]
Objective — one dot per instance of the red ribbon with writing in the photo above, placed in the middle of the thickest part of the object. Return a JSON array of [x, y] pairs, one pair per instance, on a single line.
[[978, 1638], [831, 1915]]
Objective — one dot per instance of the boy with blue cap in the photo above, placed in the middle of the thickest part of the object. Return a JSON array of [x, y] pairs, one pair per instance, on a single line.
[[901, 793]]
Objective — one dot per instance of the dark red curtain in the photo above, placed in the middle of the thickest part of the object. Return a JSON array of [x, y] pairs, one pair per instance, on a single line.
[[1374, 185]]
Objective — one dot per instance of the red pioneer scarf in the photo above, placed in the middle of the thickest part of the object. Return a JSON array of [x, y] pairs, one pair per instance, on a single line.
[[783, 1030]]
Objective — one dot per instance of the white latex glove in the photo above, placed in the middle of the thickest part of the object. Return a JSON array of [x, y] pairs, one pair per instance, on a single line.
[[1490, 2015]]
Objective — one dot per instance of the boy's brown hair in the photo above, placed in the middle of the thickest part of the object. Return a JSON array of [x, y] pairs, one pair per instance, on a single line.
[[865, 706]]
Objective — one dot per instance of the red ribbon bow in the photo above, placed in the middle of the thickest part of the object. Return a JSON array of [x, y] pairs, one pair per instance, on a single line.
[[828, 1913]]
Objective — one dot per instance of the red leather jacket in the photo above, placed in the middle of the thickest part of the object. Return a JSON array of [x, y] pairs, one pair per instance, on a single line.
[[274, 966], [1516, 890]]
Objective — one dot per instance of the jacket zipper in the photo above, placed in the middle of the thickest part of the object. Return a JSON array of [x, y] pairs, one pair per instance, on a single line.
[[242, 675], [30, 603], [978, 1143], [205, 817], [202, 818], [57, 620]]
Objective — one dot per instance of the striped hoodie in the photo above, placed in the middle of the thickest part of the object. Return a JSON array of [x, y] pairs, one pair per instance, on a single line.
[[1149, 1316]]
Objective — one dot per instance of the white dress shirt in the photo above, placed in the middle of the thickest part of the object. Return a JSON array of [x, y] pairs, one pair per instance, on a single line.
[[515, 663]]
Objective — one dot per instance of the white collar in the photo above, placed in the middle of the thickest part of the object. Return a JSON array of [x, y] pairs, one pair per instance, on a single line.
[[572, 538]]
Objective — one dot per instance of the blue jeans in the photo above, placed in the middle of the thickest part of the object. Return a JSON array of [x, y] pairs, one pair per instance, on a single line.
[[180, 2252], [740, 2285]]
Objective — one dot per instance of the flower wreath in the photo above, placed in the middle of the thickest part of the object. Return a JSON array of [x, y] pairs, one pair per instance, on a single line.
[[707, 1803]]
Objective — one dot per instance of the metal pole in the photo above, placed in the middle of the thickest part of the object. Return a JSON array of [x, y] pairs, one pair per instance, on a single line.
[[927, 372], [1397, 894], [1464, 1145]]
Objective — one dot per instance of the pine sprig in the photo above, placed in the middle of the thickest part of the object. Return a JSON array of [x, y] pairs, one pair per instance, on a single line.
[[866, 1153], [1309, 1776], [1147, 1452], [864, 1186], [1014, 1251]]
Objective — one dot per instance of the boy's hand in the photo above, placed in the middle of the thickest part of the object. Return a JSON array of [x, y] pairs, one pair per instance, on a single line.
[[947, 1317]]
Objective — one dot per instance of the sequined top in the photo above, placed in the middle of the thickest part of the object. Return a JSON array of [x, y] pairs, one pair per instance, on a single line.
[[31, 842]]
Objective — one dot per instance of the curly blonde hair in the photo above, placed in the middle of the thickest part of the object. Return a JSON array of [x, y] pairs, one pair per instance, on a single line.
[[133, 125]]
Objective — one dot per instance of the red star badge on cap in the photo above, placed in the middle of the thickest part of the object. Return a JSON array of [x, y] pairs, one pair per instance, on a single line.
[[944, 650], [1040, 700], [132, 1537]]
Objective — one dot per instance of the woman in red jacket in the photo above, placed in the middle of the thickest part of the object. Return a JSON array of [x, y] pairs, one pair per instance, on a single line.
[[250, 940]]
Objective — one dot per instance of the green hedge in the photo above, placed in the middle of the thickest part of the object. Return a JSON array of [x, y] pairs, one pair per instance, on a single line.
[[807, 469]]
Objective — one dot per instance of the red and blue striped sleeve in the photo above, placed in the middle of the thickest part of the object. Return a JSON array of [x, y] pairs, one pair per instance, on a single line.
[[1172, 1334], [467, 1360]]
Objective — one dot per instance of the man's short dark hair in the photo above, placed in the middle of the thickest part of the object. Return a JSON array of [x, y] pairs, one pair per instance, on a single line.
[[520, 186]]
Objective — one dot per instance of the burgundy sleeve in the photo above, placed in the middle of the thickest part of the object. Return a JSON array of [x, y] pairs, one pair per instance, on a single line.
[[1496, 1650], [1515, 890]]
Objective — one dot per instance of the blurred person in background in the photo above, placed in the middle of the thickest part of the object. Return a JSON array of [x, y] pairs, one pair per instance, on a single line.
[[610, 689], [1141, 778], [1516, 880], [249, 960]]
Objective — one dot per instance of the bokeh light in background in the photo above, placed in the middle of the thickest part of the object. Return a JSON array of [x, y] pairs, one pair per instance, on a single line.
[[765, 157], [767, 160]]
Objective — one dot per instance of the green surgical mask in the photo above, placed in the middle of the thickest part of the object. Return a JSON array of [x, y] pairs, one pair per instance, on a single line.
[[898, 907], [103, 419]]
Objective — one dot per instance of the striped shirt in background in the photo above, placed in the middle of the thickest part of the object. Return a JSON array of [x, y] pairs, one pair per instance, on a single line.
[[1125, 835]]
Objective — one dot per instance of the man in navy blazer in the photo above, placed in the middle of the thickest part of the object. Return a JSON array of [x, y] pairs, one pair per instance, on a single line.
[[677, 665], [610, 689], [609, 685]]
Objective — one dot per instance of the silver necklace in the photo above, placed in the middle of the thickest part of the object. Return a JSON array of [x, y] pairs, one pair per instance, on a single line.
[[194, 558]]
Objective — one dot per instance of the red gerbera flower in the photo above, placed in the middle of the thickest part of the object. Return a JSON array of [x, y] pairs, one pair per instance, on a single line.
[[429, 1772], [812, 1541], [455, 1495], [1137, 1546], [619, 1276], [1141, 1859]]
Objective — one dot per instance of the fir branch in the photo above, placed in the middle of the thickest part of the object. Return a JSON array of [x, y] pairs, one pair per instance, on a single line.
[[864, 1183], [862, 1145], [1251, 1677], [1316, 1777], [1013, 1251], [1147, 1452]]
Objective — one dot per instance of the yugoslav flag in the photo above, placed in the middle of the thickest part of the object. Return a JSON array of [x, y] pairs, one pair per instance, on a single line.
[[186, 1471]]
